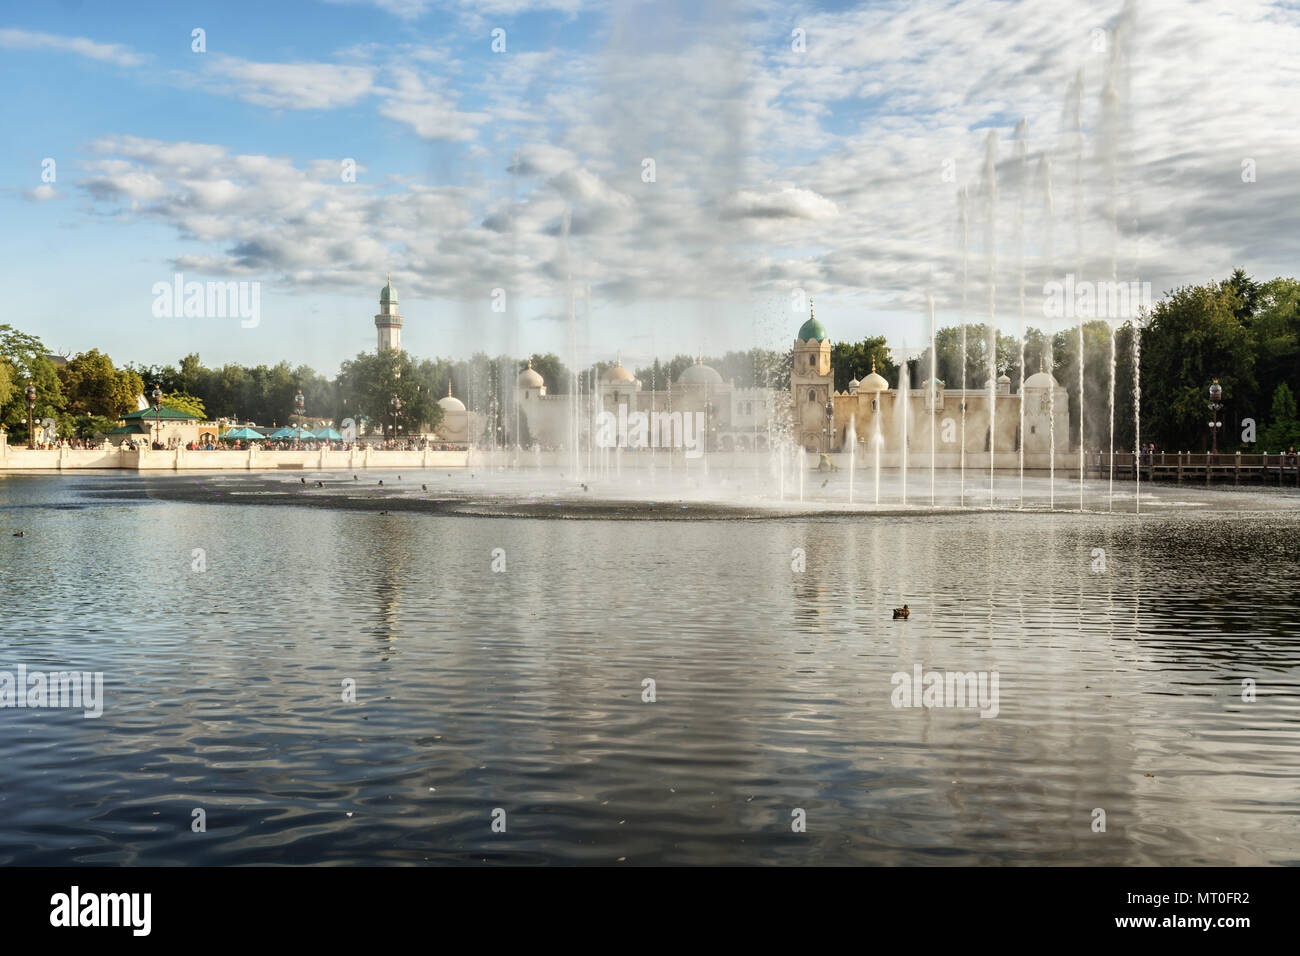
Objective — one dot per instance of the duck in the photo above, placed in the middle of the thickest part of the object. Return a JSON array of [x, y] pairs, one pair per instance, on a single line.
[[303, 480], [320, 484], [381, 482], [424, 487], [20, 534], [383, 512], [354, 478], [901, 613]]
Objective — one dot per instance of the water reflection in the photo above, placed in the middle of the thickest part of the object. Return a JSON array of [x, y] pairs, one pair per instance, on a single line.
[[522, 689]]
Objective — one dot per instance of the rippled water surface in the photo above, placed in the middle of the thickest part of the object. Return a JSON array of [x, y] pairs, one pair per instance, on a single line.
[[521, 689]]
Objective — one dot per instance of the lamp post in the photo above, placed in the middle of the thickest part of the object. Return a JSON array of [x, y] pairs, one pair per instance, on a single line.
[[156, 395], [395, 407], [300, 406], [1216, 393], [830, 425], [31, 414]]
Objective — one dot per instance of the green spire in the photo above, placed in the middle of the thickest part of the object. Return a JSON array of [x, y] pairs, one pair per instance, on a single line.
[[812, 329]]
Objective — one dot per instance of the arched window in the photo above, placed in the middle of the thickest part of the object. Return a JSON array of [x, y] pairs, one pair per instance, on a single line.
[[812, 395]]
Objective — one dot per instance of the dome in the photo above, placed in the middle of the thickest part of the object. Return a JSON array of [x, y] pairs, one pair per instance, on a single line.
[[699, 374], [854, 385], [451, 403], [874, 382], [617, 374], [1041, 380], [812, 329], [529, 378], [388, 294]]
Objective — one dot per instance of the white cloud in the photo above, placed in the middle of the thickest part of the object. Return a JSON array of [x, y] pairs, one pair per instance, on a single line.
[[295, 86], [114, 53], [825, 170], [42, 193]]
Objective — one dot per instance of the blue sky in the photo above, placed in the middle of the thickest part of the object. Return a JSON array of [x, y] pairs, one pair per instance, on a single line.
[[829, 170]]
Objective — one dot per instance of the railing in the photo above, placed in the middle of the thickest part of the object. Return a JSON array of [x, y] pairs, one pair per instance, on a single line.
[[1284, 468]]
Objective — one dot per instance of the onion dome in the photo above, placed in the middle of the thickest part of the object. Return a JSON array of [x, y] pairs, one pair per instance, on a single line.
[[617, 374], [451, 403], [812, 329], [529, 378], [874, 382], [1041, 378], [699, 374]]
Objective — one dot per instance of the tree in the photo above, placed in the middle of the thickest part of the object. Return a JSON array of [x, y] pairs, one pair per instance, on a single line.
[[92, 386], [180, 402], [7, 384], [1283, 429], [25, 356], [850, 360], [552, 371], [368, 382], [1193, 338]]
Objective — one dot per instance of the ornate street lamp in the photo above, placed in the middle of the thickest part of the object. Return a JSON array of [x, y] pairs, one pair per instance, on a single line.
[[395, 406], [1216, 393], [156, 395], [31, 414], [300, 404], [829, 427]]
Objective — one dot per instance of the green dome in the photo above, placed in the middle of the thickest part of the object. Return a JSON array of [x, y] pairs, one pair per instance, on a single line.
[[387, 294], [812, 329]]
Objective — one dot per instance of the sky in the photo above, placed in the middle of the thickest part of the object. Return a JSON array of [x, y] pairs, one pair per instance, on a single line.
[[695, 171]]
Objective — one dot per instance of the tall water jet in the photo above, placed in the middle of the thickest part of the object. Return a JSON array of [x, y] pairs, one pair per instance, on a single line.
[[934, 362], [965, 246], [1074, 112], [572, 343], [1045, 171], [877, 443], [902, 410], [1110, 506], [990, 246], [1137, 414], [802, 465], [1113, 133], [587, 357], [1081, 453], [1022, 152], [853, 451]]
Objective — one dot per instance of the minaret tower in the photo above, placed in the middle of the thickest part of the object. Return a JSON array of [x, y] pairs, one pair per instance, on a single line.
[[812, 382], [388, 322]]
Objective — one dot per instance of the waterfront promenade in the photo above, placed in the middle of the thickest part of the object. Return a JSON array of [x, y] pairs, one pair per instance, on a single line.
[[250, 459]]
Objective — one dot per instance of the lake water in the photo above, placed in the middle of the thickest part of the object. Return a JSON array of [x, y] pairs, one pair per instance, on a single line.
[[521, 689]]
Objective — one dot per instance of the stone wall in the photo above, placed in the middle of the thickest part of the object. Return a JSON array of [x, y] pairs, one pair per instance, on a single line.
[[67, 459]]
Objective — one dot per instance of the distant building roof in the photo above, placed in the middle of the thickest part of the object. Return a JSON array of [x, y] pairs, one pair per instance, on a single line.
[[163, 414]]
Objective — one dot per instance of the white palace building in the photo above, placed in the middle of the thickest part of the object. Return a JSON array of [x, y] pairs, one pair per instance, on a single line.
[[817, 415]]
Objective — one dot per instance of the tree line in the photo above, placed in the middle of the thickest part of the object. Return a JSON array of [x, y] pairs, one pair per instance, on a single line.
[[1244, 333]]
